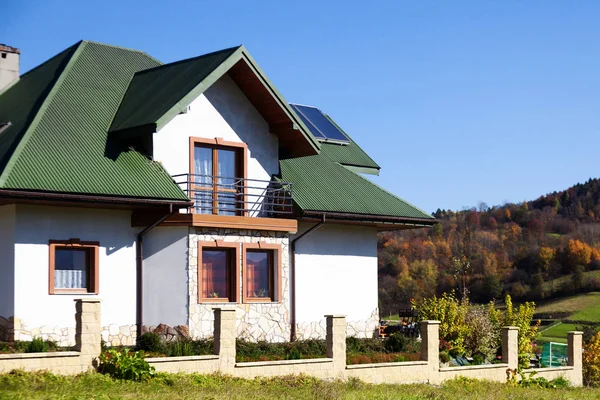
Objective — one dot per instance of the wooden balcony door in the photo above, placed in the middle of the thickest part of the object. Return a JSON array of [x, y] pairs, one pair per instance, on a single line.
[[218, 178]]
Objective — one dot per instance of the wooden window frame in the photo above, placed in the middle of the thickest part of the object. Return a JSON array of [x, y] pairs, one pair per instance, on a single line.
[[235, 281], [94, 278], [215, 144], [277, 272]]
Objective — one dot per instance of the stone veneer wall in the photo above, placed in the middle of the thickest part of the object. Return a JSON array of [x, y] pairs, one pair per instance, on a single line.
[[17, 329], [359, 329], [254, 321]]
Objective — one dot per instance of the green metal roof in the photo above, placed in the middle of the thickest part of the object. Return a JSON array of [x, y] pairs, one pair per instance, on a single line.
[[321, 184], [58, 140], [153, 92], [349, 154]]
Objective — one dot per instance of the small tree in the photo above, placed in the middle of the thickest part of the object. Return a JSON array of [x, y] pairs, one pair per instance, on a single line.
[[591, 361]]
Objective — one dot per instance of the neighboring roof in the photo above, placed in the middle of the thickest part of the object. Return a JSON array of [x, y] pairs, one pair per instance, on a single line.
[[320, 184], [157, 95], [60, 113]]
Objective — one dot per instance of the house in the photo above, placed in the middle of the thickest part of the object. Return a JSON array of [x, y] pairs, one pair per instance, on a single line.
[[168, 190]]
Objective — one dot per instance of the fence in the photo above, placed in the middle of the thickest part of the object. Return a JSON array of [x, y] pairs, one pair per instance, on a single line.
[[333, 366]]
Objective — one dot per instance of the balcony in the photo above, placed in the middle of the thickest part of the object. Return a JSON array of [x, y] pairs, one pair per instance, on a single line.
[[240, 203]]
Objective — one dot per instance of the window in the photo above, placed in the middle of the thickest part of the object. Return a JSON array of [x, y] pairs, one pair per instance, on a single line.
[[218, 172], [218, 272], [73, 267], [262, 272]]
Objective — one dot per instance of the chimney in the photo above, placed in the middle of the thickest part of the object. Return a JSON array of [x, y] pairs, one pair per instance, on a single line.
[[9, 65]]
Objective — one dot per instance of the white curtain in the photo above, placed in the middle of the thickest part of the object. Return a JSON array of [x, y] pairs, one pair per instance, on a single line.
[[203, 165], [70, 279], [226, 167], [70, 271], [203, 169]]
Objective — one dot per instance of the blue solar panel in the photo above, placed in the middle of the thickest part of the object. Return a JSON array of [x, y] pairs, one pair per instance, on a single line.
[[319, 125], [308, 124]]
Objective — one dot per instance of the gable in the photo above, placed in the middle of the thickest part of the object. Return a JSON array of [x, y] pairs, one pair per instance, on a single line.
[[155, 96]]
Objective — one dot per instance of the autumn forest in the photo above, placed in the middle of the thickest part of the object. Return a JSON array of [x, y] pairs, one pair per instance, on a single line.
[[533, 250]]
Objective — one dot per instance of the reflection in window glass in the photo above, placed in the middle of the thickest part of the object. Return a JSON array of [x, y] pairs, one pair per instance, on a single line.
[[259, 274]]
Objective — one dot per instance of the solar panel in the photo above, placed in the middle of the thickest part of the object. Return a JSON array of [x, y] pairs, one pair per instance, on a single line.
[[308, 124], [319, 125]]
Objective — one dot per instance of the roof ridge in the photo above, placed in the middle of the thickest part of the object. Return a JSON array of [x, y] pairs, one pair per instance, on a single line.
[[38, 67], [386, 191], [187, 60], [113, 46], [40, 111]]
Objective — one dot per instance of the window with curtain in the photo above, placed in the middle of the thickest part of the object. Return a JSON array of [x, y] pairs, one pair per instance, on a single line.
[[259, 272], [217, 274], [73, 267], [217, 170]]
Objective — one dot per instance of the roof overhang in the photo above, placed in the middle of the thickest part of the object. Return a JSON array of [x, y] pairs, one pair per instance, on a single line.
[[86, 200], [381, 222]]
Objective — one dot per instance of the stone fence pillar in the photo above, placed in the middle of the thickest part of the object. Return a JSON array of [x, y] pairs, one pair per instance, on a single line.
[[430, 348], [574, 343], [88, 330], [510, 346], [224, 341], [336, 341]]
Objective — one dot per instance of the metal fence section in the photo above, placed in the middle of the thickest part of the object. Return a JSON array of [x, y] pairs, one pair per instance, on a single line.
[[236, 196]]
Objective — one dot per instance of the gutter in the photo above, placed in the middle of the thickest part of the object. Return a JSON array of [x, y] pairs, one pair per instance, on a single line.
[[31, 195], [371, 217], [139, 264], [293, 277]]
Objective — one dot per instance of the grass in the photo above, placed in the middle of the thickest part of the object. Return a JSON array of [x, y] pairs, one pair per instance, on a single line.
[[558, 282], [581, 307], [557, 333], [186, 387]]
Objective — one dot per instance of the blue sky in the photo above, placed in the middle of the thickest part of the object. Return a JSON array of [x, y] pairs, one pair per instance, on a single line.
[[459, 102]]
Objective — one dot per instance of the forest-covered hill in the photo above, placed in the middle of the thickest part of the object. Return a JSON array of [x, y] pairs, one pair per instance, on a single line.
[[532, 250]]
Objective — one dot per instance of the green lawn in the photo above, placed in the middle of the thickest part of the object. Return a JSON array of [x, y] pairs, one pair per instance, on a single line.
[[185, 387], [567, 278], [557, 333], [581, 307]]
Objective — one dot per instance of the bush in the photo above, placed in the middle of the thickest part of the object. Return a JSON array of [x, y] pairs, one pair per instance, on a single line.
[[125, 365], [396, 343], [37, 345], [182, 348], [591, 361], [444, 357], [151, 342], [471, 330]]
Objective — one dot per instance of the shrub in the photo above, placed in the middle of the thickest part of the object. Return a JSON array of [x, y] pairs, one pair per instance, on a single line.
[[451, 313], [481, 337], [182, 348], [396, 343], [37, 345], [522, 318], [151, 343], [125, 365], [444, 357], [591, 361]]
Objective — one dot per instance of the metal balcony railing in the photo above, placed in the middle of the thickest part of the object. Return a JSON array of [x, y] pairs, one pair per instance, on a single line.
[[236, 196]]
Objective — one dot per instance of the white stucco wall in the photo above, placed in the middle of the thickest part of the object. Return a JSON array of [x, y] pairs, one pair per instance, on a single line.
[[221, 111], [38, 311], [166, 276], [7, 252], [336, 273]]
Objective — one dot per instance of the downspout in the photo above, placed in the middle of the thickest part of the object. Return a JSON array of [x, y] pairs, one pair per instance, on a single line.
[[139, 261], [293, 277]]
